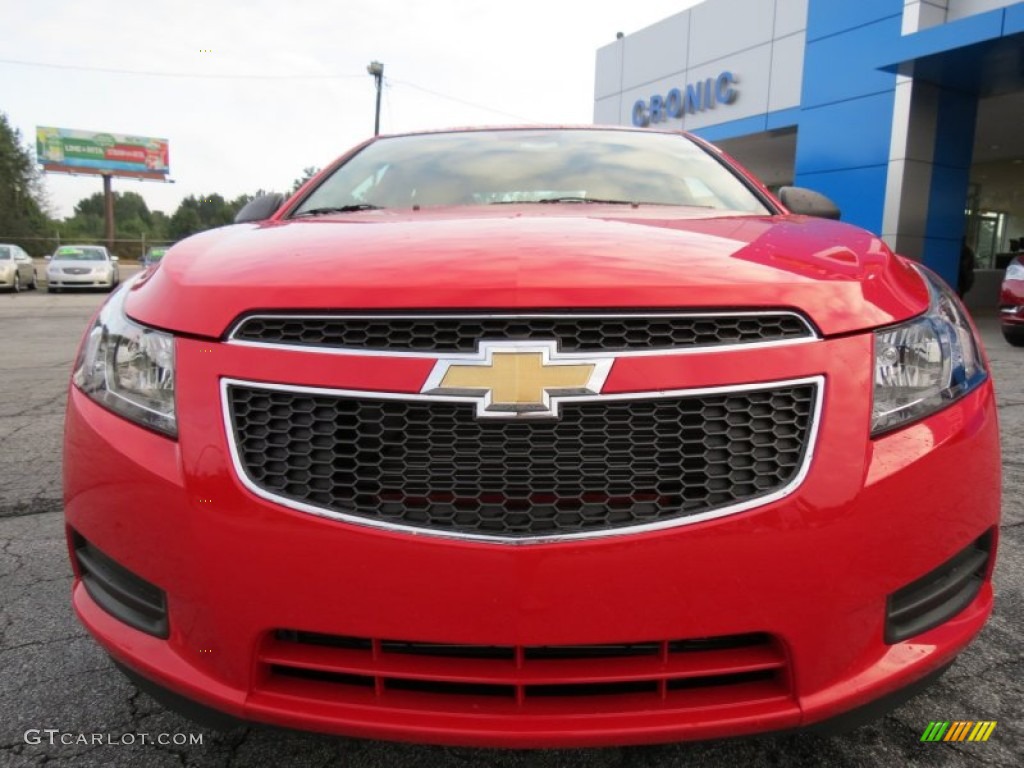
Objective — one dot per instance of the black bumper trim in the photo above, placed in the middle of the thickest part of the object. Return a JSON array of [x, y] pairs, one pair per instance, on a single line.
[[940, 595], [124, 595]]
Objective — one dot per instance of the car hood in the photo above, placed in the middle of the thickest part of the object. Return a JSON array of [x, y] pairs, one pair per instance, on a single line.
[[518, 257]]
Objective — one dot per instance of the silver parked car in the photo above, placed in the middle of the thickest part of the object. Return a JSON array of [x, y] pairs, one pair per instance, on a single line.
[[82, 266], [17, 271]]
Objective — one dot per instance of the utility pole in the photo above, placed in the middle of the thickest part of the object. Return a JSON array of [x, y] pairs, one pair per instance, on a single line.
[[376, 69]]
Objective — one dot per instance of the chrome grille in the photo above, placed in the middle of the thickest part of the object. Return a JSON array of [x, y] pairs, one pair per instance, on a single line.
[[604, 465]]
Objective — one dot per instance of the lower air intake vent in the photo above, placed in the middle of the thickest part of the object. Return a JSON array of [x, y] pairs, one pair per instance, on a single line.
[[610, 677], [940, 595], [120, 592]]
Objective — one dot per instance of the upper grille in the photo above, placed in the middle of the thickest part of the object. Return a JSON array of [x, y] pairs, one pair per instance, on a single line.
[[605, 464], [580, 333]]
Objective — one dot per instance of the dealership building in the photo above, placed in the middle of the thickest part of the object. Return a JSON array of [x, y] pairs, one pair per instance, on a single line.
[[909, 114]]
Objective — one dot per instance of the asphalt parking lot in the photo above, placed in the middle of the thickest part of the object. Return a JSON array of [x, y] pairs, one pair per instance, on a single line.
[[52, 676]]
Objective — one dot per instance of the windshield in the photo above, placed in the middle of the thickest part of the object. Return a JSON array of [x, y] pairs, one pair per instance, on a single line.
[[80, 253], [532, 166], [5, 253]]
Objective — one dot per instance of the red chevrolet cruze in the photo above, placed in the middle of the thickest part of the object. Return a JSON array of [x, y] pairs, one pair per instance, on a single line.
[[533, 437]]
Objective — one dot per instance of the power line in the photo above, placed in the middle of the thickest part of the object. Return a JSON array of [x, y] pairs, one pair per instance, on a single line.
[[149, 73], [440, 95], [214, 76]]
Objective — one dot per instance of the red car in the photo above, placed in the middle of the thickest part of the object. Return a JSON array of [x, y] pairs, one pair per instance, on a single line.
[[1011, 303], [544, 437]]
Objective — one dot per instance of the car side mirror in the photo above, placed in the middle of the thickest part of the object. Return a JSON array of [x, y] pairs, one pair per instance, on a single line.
[[807, 202], [259, 208], [114, 258], [48, 256]]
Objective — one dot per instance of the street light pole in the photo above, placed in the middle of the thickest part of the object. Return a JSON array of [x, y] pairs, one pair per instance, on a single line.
[[376, 69]]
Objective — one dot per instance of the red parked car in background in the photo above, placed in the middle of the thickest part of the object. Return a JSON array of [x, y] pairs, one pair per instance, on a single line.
[[550, 437], [1011, 303]]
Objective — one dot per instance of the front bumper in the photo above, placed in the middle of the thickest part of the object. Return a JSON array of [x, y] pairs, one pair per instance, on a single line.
[[80, 281], [811, 572]]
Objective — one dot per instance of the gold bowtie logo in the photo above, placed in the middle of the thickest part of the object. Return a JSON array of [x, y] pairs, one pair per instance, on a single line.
[[518, 378]]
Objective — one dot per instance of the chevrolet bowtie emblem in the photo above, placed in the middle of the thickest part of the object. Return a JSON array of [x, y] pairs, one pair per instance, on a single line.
[[525, 379]]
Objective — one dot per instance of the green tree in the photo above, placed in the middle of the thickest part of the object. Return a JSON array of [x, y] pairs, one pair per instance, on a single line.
[[22, 201], [242, 200], [128, 207], [160, 227], [135, 226], [198, 213], [307, 174], [186, 220]]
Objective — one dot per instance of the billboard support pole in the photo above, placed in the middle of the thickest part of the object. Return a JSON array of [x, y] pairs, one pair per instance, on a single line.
[[108, 209]]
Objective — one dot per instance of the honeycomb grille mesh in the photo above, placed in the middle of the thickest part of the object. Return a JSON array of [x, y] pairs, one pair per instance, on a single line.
[[602, 465], [574, 334]]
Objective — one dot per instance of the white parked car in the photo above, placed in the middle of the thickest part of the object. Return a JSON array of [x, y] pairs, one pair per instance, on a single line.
[[82, 266], [17, 270]]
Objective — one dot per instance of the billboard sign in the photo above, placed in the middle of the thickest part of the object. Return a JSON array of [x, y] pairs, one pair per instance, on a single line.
[[70, 151]]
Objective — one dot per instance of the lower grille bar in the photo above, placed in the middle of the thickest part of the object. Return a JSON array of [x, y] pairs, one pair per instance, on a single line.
[[752, 666], [540, 672]]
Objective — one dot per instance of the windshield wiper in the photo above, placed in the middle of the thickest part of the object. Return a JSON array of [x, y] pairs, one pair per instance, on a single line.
[[580, 199], [340, 209]]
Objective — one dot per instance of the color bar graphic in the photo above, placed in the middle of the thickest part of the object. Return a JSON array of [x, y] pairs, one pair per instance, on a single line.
[[935, 731], [958, 730]]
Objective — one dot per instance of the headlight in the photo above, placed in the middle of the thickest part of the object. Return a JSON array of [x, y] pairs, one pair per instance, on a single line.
[[1015, 271], [923, 365], [129, 368]]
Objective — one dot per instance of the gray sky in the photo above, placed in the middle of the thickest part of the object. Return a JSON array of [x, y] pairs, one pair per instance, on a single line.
[[521, 61]]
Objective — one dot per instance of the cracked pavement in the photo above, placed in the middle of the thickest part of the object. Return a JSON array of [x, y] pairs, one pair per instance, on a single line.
[[53, 675]]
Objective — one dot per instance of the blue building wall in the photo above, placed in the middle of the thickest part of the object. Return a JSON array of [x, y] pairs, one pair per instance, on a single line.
[[845, 124], [854, 48], [947, 199]]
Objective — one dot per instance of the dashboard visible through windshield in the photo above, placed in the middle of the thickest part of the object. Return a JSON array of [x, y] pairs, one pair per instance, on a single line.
[[532, 166]]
